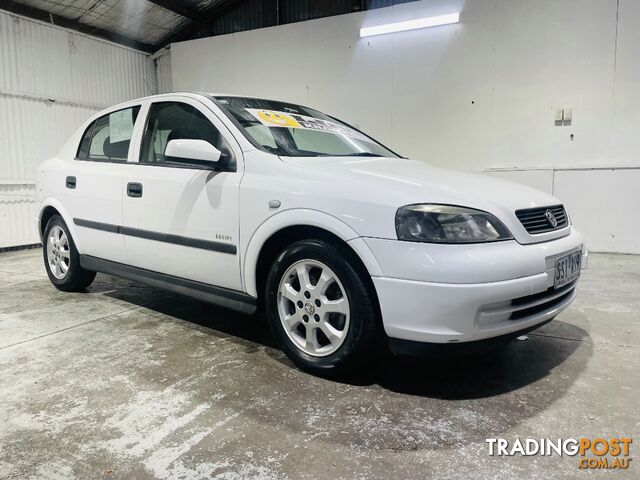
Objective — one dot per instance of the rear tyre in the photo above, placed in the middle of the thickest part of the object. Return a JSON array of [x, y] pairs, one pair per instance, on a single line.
[[61, 258], [319, 308]]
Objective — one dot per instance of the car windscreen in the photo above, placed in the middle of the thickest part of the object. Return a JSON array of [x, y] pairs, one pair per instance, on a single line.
[[294, 131]]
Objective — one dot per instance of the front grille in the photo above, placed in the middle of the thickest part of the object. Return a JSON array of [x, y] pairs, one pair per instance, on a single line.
[[536, 220]]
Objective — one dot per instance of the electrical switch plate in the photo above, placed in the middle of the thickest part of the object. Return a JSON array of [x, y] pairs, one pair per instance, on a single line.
[[559, 115]]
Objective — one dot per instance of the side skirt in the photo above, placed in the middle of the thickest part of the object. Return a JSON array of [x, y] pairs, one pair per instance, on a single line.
[[223, 297]]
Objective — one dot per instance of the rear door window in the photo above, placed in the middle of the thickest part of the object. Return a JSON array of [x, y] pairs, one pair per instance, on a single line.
[[108, 138]]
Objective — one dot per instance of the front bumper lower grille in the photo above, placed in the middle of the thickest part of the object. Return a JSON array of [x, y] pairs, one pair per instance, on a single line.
[[541, 220], [527, 307], [539, 302]]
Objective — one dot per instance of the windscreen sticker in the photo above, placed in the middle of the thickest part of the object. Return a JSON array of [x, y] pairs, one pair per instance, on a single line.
[[273, 118]]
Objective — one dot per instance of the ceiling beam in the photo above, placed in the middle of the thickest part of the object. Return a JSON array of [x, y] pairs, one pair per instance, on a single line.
[[43, 16], [180, 9], [206, 18]]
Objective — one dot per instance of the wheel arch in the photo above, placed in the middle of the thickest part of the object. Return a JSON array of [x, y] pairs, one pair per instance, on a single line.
[[290, 226], [49, 208]]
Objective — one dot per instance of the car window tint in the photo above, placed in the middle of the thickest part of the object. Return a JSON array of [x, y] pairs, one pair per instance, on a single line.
[[321, 142], [174, 121], [262, 134], [100, 134], [83, 150], [108, 137]]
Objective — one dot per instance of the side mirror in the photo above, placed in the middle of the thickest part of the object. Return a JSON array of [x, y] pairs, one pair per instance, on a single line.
[[193, 152]]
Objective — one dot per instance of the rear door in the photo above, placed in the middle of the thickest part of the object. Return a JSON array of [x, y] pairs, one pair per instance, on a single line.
[[183, 221], [94, 184]]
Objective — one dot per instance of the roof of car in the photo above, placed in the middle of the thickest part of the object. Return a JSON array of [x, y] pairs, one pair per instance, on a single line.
[[191, 92], [184, 92]]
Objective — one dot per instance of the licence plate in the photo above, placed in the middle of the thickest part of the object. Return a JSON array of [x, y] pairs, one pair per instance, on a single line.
[[567, 269]]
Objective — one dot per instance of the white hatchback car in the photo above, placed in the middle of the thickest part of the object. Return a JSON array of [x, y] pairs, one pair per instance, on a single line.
[[246, 202]]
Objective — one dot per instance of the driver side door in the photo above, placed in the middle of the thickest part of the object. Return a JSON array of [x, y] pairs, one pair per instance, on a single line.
[[183, 220]]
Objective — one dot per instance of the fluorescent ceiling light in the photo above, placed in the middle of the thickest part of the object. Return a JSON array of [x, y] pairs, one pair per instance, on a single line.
[[411, 24]]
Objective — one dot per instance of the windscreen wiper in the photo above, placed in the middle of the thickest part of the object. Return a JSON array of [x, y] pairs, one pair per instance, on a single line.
[[363, 154]]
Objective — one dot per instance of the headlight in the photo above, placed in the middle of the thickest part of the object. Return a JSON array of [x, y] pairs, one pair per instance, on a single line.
[[448, 224]]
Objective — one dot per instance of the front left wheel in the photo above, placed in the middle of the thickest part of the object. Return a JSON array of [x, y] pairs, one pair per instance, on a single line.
[[320, 308], [61, 258]]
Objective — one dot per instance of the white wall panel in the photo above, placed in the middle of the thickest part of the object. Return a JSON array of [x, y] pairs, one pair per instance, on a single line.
[[338, 67], [206, 66], [260, 51], [540, 179], [442, 85], [604, 205], [552, 54], [625, 137], [52, 80]]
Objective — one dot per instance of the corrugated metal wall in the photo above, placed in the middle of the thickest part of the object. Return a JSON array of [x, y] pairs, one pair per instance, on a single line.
[[163, 71], [51, 80]]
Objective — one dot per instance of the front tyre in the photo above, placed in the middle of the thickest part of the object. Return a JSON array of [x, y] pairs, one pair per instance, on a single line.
[[320, 308], [61, 258]]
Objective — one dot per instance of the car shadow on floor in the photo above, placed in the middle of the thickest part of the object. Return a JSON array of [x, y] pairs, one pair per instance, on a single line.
[[503, 370]]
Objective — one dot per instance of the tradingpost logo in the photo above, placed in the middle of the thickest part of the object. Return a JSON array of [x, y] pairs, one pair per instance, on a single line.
[[594, 453]]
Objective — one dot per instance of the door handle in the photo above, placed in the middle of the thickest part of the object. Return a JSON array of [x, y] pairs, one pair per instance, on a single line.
[[134, 189], [71, 182]]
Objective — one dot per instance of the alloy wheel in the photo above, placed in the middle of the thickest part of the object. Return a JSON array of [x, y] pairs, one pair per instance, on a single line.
[[313, 308], [58, 253]]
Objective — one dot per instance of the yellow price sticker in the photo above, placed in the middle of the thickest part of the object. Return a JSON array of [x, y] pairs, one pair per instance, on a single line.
[[278, 119]]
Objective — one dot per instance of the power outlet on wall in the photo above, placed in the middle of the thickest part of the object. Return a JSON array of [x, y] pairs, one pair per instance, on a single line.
[[563, 117]]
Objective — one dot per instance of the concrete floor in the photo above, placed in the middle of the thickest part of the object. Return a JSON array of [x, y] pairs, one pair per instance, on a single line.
[[131, 382]]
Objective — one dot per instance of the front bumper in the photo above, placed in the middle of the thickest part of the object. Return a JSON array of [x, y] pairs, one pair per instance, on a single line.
[[439, 350], [465, 293]]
